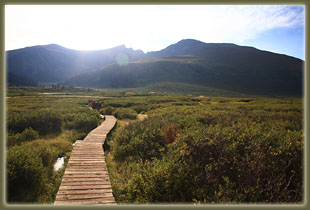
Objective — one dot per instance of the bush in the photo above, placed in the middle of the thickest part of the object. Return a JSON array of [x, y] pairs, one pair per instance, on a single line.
[[107, 110], [30, 170], [140, 140], [85, 123], [82, 122], [170, 132], [27, 172], [42, 121], [159, 181], [27, 135], [140, 108], [125, 113], [241, 166]]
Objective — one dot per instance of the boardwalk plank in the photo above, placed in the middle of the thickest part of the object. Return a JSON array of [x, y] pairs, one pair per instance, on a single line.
[[86, 173], [85, 187], [82, 176], [83, 192], [108, 196], [85, 202], [85, 183], [86, 179]]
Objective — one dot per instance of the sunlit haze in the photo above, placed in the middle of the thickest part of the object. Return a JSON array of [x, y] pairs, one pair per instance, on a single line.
[[149, 28]]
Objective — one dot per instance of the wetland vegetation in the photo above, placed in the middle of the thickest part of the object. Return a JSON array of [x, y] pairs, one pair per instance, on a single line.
[[164, 148]]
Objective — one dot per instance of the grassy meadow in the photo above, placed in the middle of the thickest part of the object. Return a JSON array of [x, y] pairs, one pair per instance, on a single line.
[[164, 148]]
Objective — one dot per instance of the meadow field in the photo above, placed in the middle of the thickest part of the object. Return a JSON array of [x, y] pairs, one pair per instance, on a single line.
[[164, 148]]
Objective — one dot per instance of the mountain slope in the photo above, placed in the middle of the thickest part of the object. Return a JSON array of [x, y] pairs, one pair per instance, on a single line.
[[54, 63], [13, 79], [225, 66]]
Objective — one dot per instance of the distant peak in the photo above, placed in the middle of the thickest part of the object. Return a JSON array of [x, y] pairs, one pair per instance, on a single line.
[[190, 41], [197, 42], [120, 46], [53, 45]]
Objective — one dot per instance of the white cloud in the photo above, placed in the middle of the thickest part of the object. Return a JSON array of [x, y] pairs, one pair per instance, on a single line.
[[141, 27]]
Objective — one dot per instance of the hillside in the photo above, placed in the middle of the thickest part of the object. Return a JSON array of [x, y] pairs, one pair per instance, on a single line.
[[17, 80], [224, 66], [54, 63]]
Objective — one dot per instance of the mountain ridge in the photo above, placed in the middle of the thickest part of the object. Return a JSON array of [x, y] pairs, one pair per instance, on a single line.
[[55, 63], [224, 66]]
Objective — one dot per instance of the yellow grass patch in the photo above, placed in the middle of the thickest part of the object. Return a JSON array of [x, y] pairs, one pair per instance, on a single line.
[[142, 116], [129, 93]]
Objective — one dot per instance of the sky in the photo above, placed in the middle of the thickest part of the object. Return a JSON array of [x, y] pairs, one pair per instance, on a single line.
[[276, 28]]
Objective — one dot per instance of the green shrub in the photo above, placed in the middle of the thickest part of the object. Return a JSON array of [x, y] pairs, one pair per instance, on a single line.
[[42, 121], [27, 135], [125, 113], [160, 181], [139, 140], [30, 170], [140, 108], [27, 173], [82, 122], [85, 123], [107, 110]]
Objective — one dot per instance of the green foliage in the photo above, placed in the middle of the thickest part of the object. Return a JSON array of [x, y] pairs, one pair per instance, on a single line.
[[215, 150], [28, 171], [39, 131], [42, 121], [160, 181], [188, 149], [107, 110], [125, 113], [83, 122], [50, 115], [27, 135], [138, 141]]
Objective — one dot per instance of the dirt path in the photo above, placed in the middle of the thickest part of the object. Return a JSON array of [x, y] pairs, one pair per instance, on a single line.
[[56, 96]]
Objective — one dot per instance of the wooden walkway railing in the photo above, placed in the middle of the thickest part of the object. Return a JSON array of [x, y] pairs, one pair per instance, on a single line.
[[86, 179]]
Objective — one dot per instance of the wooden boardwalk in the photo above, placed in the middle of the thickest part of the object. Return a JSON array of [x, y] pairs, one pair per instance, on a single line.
[[86, 179]]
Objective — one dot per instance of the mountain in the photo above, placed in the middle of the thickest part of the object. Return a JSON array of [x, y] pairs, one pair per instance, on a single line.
[[17, 80], [54, 63], [223, 66], [187, 64], [192, 47]]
